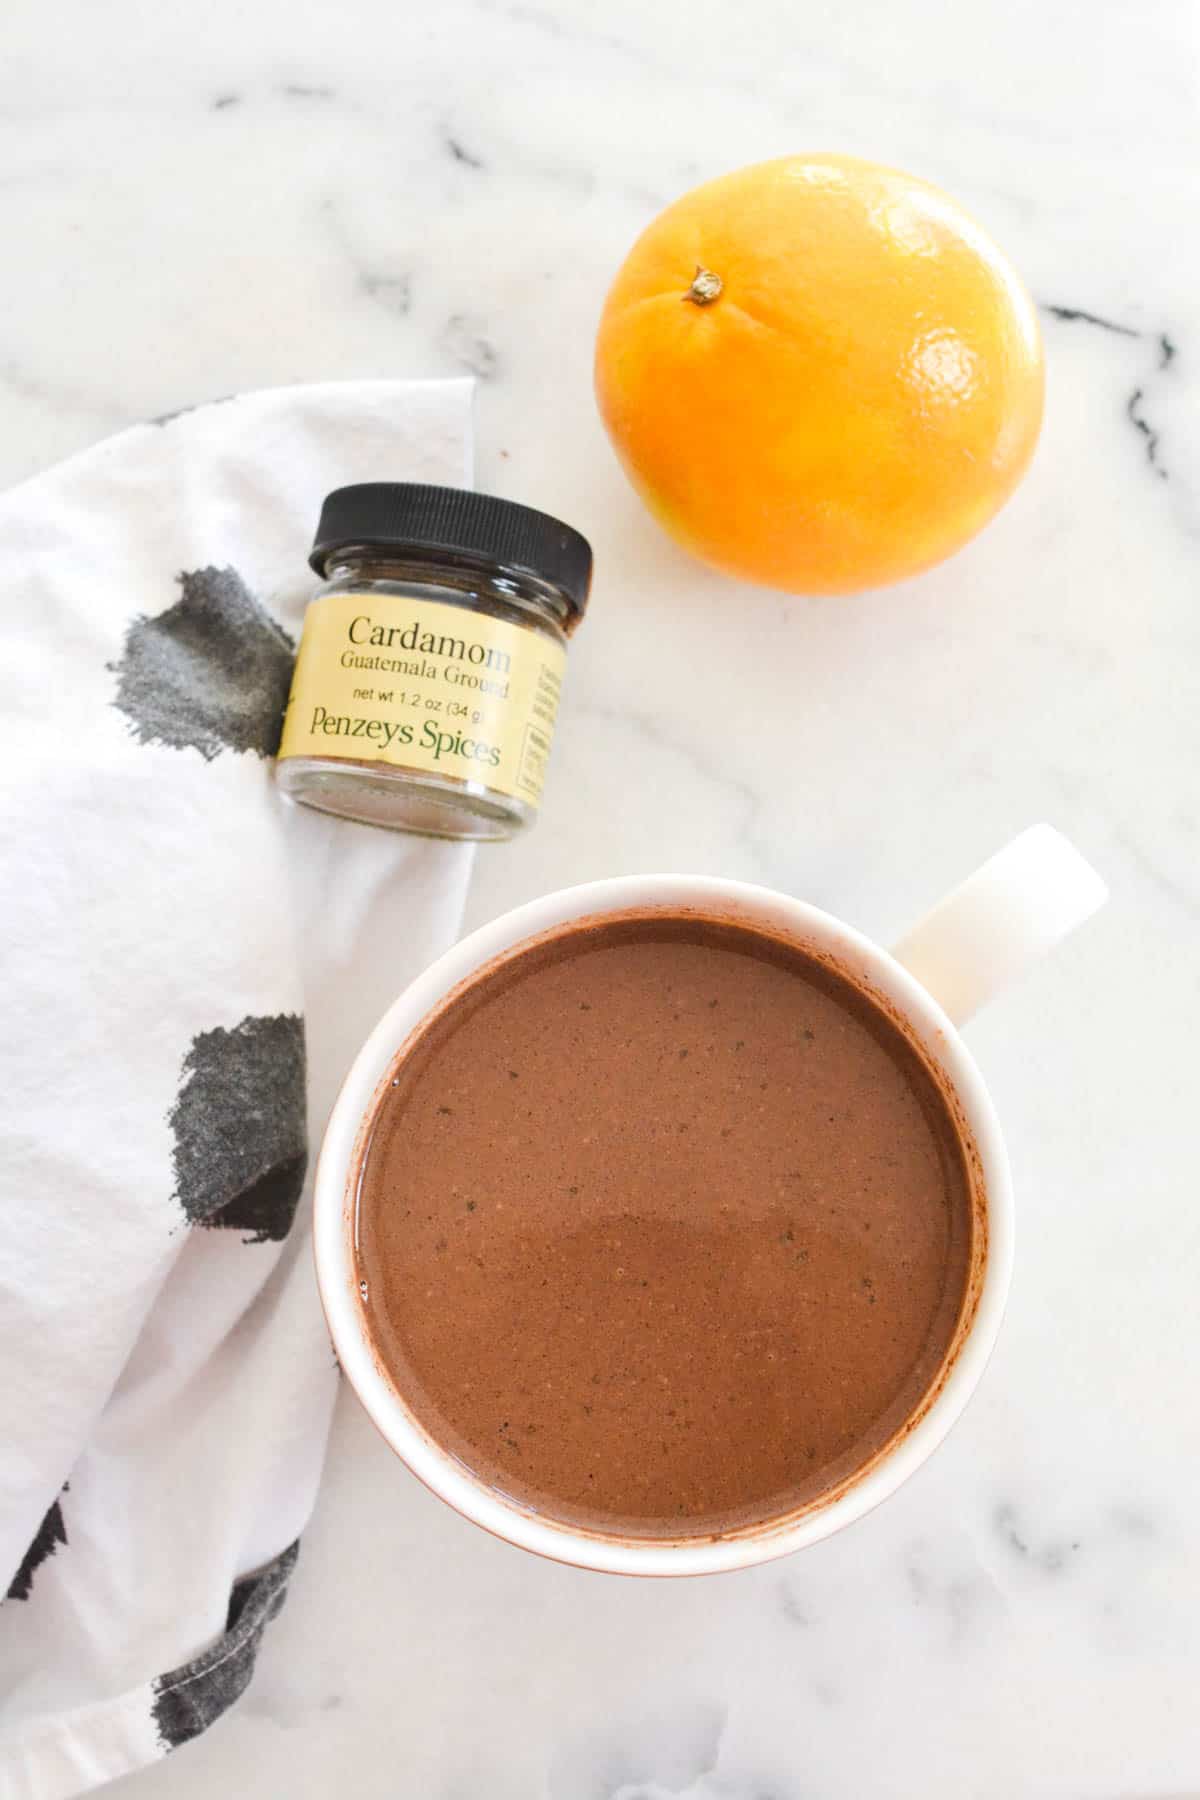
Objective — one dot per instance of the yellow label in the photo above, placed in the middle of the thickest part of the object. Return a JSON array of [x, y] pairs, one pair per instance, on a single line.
[[423, 685]]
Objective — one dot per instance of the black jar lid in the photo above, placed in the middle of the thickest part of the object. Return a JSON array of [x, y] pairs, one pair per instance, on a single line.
[[408, 518]]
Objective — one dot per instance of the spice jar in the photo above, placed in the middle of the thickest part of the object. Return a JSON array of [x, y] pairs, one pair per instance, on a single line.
[[431, 661]]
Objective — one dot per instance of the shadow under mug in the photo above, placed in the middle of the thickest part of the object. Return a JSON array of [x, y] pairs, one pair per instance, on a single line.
[[1014, 908]]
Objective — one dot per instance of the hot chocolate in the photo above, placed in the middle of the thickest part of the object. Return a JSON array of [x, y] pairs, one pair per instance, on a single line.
[[664, 1226]]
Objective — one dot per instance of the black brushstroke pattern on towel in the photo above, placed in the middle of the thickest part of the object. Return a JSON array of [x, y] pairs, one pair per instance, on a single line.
[[239, 1124], [50, 1534], [211, 673], [190, 1698]]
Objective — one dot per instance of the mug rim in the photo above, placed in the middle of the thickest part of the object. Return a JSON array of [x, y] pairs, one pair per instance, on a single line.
[[333, 1226]]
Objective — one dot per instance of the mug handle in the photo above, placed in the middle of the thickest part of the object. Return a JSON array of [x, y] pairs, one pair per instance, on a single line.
[[986, 932]]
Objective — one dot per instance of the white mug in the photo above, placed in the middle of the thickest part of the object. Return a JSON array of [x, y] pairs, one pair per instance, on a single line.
[[1020, 903]]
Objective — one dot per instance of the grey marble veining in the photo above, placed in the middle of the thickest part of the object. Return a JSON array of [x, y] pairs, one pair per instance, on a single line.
[[270, 194]]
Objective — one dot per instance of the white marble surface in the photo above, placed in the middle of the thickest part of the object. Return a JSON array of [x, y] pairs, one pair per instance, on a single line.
[[201, 200]]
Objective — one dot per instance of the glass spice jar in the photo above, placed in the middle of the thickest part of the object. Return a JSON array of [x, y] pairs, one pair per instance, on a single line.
[[431, 660]]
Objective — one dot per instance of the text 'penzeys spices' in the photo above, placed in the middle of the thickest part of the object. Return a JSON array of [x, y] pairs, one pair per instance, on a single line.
[[427, 683]]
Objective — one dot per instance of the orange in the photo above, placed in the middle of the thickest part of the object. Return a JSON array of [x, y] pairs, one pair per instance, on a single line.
[[820, 374]]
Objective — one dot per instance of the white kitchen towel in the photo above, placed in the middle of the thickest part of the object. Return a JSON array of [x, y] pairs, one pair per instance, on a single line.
[[174, 936]]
